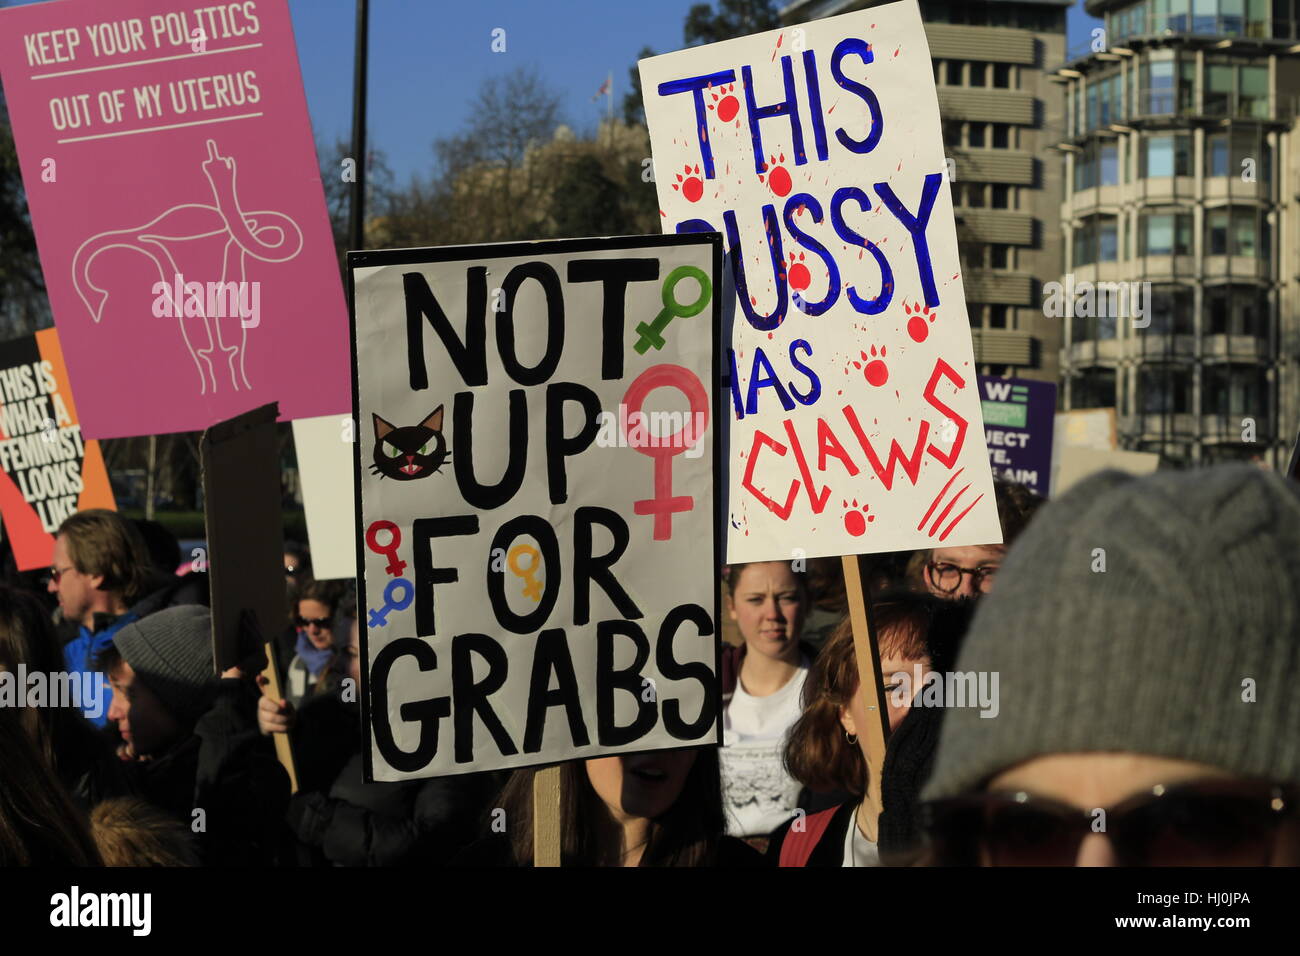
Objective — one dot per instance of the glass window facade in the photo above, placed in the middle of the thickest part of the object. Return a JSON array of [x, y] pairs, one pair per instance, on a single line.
[[1172, 310], [1226, 154], [1233, 231], [1165, 234], [1097, 165], [1236, 310], [1157, 93], [1099, 102], [1096, 240], [1254, 18], [1236, 90], [1169, 155], [1164, 389], [1093, 388], [1234, 390]]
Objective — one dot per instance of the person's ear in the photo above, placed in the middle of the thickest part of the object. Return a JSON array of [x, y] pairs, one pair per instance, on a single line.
[[97, 582], [846, 721], [731, 608]]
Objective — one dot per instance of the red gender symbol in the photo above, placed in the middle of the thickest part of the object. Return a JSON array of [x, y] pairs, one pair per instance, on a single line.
[[395, 566], [662, 448]]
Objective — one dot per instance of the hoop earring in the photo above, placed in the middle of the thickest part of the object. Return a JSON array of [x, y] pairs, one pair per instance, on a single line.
[[851, 738]]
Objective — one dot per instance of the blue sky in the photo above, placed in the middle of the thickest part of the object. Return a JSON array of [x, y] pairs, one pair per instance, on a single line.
[[428, 58], [425, 66]]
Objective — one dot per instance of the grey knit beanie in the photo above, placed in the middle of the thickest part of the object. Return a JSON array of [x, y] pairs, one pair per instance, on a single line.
[[1186, 646], [171, 653]]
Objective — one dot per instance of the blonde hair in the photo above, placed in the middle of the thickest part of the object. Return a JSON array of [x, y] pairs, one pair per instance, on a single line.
[[130, 832]]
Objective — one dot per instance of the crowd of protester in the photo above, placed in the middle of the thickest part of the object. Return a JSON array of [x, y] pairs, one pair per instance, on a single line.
[[1144, 634]]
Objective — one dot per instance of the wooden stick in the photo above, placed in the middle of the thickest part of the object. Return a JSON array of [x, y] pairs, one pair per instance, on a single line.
[[546, 817], [283, 749], [867, 649]]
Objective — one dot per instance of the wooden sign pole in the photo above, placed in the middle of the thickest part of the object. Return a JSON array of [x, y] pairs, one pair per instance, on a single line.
[[867, 649], [546, 817], [283, 748]]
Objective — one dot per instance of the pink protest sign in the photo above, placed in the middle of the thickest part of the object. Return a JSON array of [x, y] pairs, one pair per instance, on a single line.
[[173, 183]]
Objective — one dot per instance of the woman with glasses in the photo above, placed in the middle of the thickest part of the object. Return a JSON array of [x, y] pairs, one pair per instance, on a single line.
[[968, 572], [318, 604], [1147, 635]]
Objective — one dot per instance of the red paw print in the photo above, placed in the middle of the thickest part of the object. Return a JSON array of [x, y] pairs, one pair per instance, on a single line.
[[800, 277], [876, 372], [692, 187], [728, 105], [778, 180], [855, 521], [917, 326]]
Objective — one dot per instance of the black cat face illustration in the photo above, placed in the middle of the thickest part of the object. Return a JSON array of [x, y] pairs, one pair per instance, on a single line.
[[412, 451]]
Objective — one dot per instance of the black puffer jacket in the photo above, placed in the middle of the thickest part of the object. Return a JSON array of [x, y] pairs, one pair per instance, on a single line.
[[88, 766], [229, 771], [349, 822]]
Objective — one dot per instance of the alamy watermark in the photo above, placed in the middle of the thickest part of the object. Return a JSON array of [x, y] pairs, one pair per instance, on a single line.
[[950, 689], [74, 908], [215, 300], [678, 430], [23, 688], [1086, 300]]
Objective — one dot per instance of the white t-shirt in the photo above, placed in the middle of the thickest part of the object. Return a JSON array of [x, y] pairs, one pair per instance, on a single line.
[[858, 850], [757, 792]]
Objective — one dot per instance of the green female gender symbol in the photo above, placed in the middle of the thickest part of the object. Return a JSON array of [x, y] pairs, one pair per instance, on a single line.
[[651, 334]]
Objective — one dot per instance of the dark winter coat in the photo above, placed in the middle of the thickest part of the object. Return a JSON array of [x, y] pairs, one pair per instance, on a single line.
[[909, 759], [349, 822], [829, 850], [229, 771], [88, 766]]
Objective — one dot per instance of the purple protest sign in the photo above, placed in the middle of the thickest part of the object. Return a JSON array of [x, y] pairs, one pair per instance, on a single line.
[[1019, 416]]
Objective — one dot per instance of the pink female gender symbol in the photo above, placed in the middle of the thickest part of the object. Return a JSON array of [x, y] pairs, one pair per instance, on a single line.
[[662, 448], [395, 565]]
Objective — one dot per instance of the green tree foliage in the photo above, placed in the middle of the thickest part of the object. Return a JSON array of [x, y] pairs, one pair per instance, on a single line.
[[706, 24], [23, 306], [515, 171], [729, 19]]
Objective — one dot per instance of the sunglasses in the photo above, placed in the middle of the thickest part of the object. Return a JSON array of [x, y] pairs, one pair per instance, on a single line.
[[321, 622], [1208, 822], [56, 573]]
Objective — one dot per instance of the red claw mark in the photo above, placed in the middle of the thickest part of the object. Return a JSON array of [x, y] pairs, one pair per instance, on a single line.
[[876, 372], [691, 187], [916, 325], [800, 277], [855, 522]]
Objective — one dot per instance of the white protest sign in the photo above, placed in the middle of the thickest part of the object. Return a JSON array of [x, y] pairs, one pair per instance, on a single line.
[[815, 151], [537, 526], [323, 446]]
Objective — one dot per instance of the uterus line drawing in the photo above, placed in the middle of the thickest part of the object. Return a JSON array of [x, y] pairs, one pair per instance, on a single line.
[[184, 231]]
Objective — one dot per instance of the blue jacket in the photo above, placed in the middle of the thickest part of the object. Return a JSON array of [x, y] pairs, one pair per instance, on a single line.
[[80, 654]]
